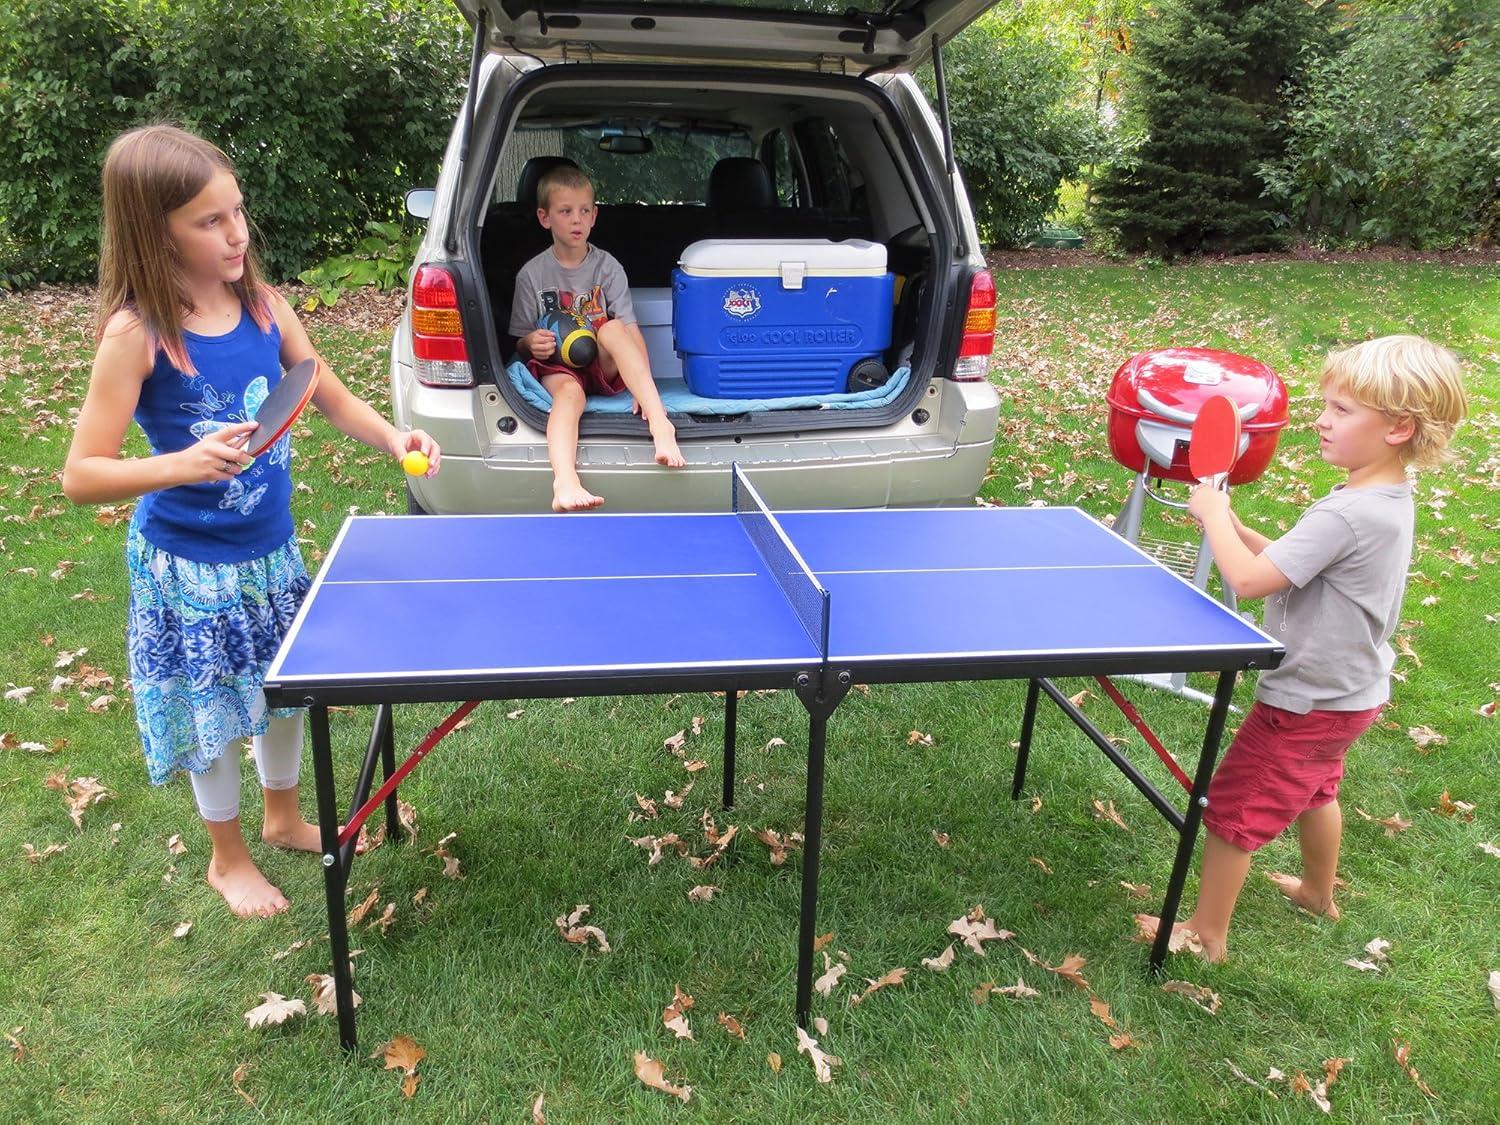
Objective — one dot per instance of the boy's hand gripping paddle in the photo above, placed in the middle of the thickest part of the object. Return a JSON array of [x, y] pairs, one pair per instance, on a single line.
[[282, 405], [1214, 446]]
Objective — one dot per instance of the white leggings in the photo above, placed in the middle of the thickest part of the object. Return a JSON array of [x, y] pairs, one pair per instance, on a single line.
[[278, 760]]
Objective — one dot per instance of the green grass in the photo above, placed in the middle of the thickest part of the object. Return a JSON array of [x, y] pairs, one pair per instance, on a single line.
[[123, 1022]]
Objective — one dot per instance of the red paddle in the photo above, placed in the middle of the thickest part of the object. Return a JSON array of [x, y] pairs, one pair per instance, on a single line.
[[1215, 443], [282, 405]]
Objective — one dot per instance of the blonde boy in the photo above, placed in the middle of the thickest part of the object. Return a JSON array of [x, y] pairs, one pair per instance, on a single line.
[[1335, 584], [572, 275]]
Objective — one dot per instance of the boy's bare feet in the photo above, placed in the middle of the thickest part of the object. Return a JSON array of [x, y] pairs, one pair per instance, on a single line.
[[664, 435], [299, 836], [1313, 903], [248, 893], [573, 497]]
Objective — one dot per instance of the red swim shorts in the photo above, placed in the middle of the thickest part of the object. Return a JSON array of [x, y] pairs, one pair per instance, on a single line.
[[1280, 765]]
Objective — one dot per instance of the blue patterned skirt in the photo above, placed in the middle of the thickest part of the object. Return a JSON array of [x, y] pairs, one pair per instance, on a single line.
[[199, 639]]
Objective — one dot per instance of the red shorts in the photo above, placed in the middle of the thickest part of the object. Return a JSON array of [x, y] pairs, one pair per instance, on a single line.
[[592, 378], [1280, 765]]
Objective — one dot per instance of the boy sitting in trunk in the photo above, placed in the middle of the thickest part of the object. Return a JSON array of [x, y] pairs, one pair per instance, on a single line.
[[573, 276]]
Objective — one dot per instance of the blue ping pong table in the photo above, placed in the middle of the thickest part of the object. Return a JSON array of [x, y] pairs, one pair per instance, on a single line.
[[404, 610]]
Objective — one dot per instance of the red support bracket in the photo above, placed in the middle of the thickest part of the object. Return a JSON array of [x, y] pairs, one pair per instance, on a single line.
[[1140, 725], [434, 736]]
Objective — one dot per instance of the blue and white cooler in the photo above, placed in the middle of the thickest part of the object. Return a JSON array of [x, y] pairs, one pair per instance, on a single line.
[[764, 318]]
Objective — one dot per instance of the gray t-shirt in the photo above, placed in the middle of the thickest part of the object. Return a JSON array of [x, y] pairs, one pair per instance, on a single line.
[[1347, 560], [595, 288]]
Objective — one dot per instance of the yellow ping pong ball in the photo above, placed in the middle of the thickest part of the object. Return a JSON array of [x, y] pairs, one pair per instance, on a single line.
[[415, 463]]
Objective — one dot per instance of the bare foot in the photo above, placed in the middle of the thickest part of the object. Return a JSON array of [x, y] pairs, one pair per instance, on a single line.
[[298, 836], [665, 438], [573, 498], [246, 891], [1314, 904]]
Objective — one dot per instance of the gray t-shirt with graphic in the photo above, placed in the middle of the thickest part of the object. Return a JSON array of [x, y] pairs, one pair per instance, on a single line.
[[1347, 559], [596, 288]]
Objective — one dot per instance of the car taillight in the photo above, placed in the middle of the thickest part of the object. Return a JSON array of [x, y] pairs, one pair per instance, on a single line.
[[978, 339], [437, 332]]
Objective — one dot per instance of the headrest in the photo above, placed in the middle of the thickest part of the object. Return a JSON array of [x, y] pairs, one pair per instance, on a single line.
[[738, 183], [531, 176]]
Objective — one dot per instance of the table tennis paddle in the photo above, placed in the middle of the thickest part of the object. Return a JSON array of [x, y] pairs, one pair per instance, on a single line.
[[282, 405], [1214, 446]]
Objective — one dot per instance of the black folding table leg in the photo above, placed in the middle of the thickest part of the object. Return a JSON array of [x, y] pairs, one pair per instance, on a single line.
[[333, 876], [817, 733], [731, 714], [821, 696], [1197, 802], [388, 767], [1028, 721]]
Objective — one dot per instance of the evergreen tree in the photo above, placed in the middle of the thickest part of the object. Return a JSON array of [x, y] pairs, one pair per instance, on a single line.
[[1204, 97]]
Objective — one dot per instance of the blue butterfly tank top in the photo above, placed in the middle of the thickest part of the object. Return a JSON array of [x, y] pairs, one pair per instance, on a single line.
[[250, 515]]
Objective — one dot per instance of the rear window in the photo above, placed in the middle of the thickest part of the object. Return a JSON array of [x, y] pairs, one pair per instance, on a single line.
[[675, 170]]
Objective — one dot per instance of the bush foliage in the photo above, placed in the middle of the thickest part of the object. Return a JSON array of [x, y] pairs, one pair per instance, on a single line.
[[330, 108]]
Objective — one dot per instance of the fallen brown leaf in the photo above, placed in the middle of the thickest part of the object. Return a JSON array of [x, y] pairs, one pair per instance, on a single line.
[[888, 980], [823, 1063], [1018, 991], [277, 1009], [1182, 938], [975, 929], [1109, 813], [241, 1072], [1447, 806], [773, 1060], [573, 933], [702, 893], [779, 845], [537, 1116], [674, 1015], [1200, 994], [357, 915], [80, 794], [941, 839], [1101, 1012], [731, 1025], [653, 1074], [325, 995], [1426, 738], [1040, 863], [1494, 987], [940, 963], [1137, 890], [916, 737], [1403, 1059], [832, 972], [1121, 1041], [1069, 970], [34, 856]]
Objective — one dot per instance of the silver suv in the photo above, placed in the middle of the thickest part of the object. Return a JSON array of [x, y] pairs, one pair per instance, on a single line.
[[771, 119]]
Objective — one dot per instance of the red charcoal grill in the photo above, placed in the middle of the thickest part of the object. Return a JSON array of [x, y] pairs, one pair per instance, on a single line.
[[1154, 399]]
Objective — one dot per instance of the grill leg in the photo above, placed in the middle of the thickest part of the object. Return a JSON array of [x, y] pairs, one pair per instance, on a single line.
[[1128, 525], [1028, 721], [1197, 802]]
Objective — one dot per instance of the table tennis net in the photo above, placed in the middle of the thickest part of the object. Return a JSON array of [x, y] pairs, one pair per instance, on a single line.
[[803, 592]]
